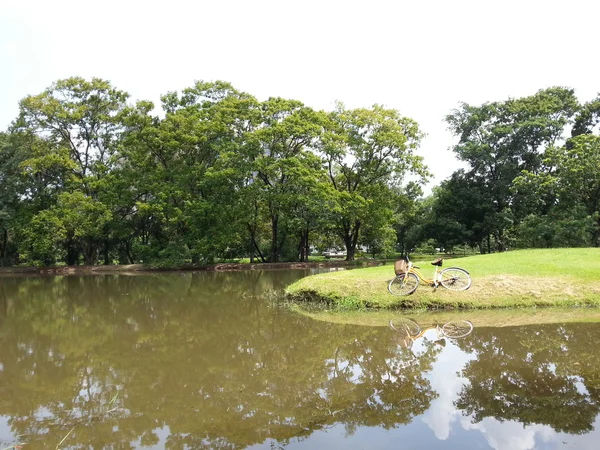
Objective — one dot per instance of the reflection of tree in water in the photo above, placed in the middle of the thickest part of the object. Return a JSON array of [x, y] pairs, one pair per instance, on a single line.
[[380, 388], [201, 354], [546, 374]]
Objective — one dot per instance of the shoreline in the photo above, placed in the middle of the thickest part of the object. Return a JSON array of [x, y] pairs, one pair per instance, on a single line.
[[220, 267]]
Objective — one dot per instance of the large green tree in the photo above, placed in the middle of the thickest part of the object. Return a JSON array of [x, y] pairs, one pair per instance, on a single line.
[[81, 123], [569, 186], [87, 177], [367, 152], [186, 203], [283, 164], [498, 140]]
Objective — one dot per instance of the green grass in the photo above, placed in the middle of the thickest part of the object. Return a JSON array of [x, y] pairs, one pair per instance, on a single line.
[[520, 278]]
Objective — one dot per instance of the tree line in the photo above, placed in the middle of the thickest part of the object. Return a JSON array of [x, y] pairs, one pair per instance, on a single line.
[[88, 177]]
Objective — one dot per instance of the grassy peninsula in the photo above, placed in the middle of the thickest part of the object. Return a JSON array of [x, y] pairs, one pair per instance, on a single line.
[[520, 278]]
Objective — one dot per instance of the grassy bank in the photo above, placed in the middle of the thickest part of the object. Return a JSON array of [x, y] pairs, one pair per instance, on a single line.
[[521, 278]]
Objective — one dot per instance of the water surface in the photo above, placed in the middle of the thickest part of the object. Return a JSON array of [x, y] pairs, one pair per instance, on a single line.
[[211, 360]]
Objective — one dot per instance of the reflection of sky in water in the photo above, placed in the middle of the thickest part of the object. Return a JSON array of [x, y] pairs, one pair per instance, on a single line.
[[6, 436], [447, 423], [444, 380], [444, 427], [488, 434]]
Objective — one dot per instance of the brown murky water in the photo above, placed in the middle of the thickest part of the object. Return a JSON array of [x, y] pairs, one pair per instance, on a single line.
[[210, 360]]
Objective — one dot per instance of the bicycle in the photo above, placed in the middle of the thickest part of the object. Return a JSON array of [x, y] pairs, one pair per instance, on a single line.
[[407, 282], [410, 330]]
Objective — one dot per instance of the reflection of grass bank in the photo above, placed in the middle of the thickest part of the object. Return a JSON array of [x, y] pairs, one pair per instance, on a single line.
[[524, 278], [480, 318]]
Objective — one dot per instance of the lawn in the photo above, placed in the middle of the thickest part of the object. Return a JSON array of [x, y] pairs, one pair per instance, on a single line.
[[520, 278]]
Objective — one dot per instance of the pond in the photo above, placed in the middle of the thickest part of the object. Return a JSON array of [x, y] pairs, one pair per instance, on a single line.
[[213, 360]]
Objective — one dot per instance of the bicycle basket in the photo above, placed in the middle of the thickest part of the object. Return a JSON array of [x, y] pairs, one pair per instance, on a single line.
[[401, 266]]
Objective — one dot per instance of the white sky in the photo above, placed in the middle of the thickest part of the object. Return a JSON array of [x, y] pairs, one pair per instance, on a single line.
[[420, 57]]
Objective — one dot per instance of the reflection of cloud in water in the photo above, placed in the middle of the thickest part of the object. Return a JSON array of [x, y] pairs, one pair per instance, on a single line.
[[500, 435], [444, 381], [510, 435]]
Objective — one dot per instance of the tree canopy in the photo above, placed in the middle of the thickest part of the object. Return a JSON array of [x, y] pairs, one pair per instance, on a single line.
[[213, 174]]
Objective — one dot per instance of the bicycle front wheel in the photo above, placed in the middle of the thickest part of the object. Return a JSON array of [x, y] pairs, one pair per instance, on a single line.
[[404, 284], [405, 325], [455, 279], [457, 329]]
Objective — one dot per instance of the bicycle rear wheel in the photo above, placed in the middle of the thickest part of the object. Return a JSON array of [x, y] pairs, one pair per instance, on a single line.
[[455, 279], [457, 329], [404, 284], [405, 325]]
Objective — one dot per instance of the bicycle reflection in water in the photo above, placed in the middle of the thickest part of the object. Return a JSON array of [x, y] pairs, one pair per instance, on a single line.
[[409, 331]]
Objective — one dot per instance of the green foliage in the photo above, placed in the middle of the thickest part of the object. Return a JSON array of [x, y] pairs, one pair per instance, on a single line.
[[575, 229], [75, 223], [569, 188], [526, 184], [368, 152]]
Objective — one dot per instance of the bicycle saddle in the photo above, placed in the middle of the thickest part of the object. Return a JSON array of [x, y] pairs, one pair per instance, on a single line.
[[438, 262]]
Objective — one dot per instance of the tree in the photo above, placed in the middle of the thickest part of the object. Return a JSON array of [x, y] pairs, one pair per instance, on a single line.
[[571, 181], [84, 117], [188, 200], [499, 140], [459, 213], [366, 152], [282, 162], [587, 118], [80, 123], [9, 197]]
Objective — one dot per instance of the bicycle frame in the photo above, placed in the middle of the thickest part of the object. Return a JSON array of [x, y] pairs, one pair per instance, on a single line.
[[455, 329], [409, 339], [435, 327], [452, 278], [435, 282]]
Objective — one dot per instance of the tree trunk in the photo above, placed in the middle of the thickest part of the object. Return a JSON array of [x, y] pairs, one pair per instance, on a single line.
[[72, 254], [500, 245], [306, 245], [3, 246], [262, 258], [350, 239], [274, 239], [130, 257], [91, 253], [303, 247], [253, 243], [106, 247], [350, 250]]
